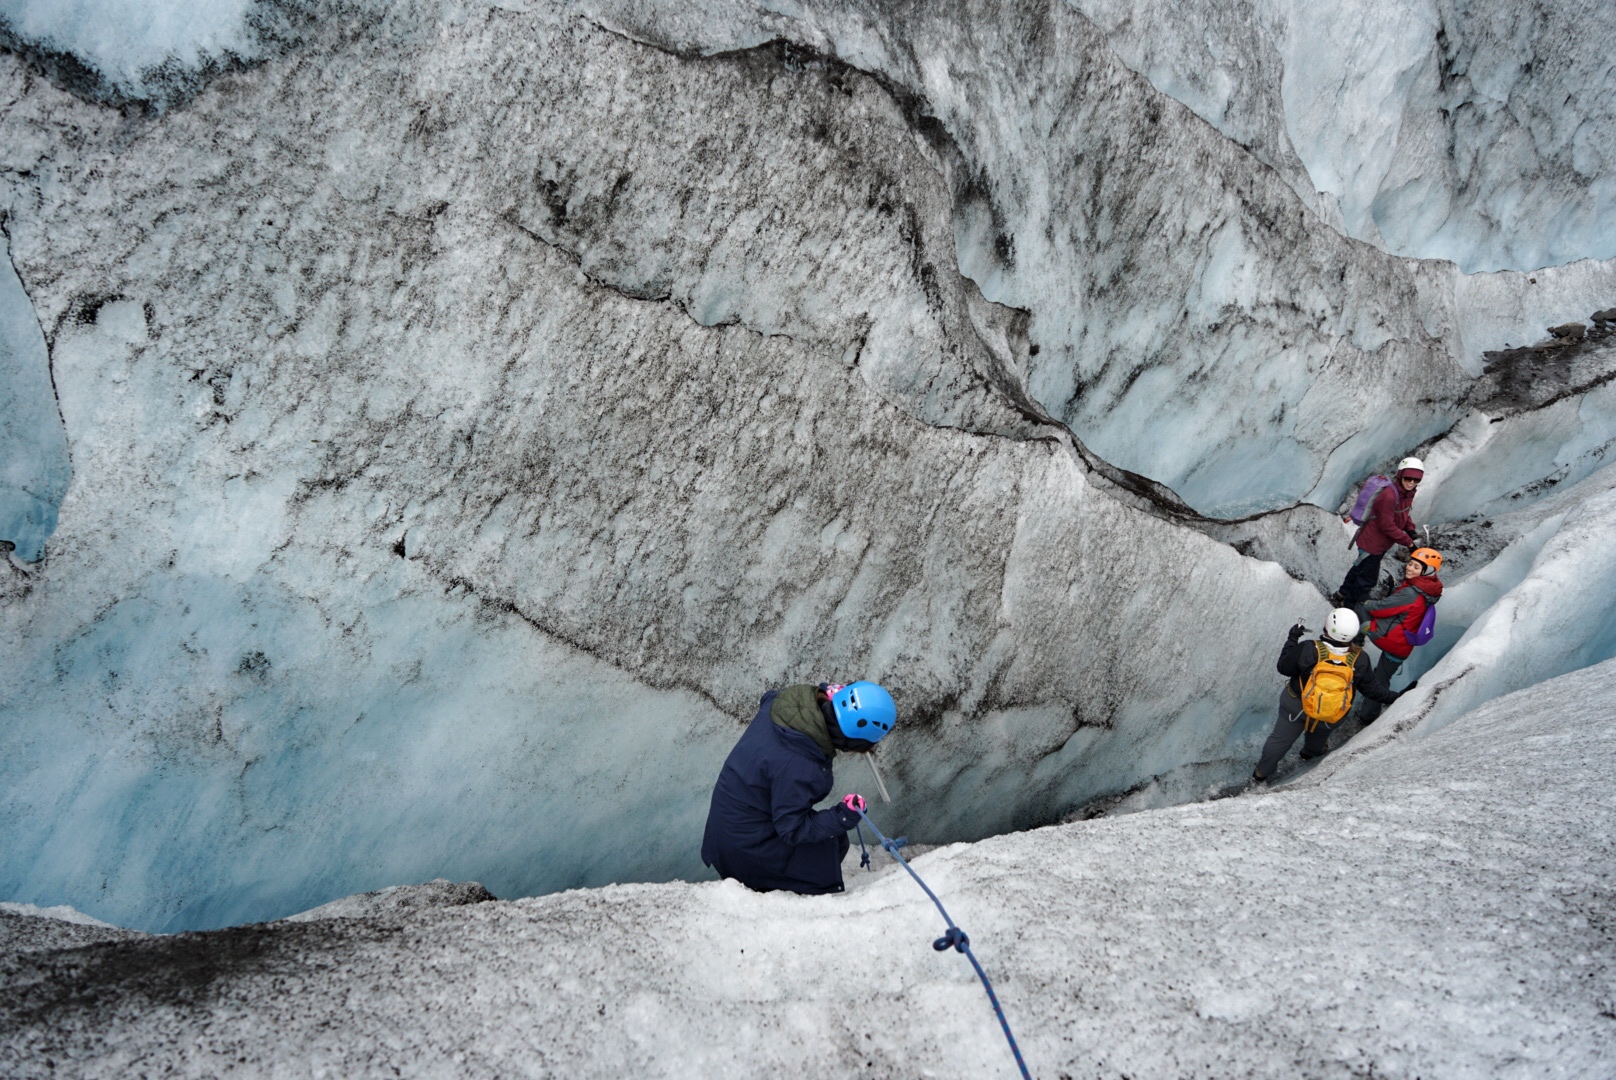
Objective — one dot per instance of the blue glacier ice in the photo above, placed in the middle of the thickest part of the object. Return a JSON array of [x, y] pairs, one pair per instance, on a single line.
[[34, 465]]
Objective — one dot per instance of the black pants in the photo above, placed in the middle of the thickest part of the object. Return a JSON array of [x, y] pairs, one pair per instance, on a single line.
[[1385, 668], [1356, 586]]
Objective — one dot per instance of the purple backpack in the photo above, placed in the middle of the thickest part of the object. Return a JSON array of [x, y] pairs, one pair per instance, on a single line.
[[1366, 497], [1427, 626]]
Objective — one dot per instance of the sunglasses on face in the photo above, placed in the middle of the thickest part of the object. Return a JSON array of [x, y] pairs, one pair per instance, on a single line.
[[1410, 481]]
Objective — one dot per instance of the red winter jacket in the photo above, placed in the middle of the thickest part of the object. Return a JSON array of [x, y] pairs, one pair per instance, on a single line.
[[1388, 521], [1393, 619]]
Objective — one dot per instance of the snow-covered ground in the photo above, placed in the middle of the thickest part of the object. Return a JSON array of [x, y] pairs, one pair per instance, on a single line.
[[1444, 906]]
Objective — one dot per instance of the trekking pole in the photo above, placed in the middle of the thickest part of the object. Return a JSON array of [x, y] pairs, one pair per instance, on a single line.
[[870, 757]]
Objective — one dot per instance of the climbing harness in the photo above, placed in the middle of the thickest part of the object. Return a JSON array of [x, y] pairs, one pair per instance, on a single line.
[[953, 937]]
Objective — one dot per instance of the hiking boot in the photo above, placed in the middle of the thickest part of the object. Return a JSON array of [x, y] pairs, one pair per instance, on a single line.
[[1258, 778], [1337, 600]]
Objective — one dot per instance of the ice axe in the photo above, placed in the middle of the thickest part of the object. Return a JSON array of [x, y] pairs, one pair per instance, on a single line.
[[870, 757]]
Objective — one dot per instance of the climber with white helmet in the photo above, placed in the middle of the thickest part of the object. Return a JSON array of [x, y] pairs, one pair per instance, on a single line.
[[762, 828], [1387, 524], [1321, 677]]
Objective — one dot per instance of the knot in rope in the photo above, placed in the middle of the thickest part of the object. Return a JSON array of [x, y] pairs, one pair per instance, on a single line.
[[953, 938], [891, 844]]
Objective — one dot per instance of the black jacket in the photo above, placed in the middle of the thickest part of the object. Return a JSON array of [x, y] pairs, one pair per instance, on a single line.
[[1296, 662]]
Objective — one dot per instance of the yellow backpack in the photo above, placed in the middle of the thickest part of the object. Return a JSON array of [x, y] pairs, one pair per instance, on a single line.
[[1328, 693]]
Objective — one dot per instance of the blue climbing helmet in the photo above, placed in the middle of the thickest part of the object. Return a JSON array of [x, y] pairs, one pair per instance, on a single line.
[[864, 710]]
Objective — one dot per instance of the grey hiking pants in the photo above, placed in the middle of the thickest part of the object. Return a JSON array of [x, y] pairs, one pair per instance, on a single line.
[[1286, 728]]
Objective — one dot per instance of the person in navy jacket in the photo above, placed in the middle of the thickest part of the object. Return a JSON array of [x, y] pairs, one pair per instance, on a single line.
[[762, 828]]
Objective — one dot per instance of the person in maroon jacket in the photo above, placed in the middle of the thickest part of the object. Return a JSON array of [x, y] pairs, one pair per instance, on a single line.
[[1390, 623], [1387, 524]]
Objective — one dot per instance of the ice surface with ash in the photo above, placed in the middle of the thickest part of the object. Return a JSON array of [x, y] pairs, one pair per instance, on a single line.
[[136, 48], [1468, 939], [1540, 419]]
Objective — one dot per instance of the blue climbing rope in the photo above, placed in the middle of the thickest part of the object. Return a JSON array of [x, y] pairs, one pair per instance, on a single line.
[[953, 937]]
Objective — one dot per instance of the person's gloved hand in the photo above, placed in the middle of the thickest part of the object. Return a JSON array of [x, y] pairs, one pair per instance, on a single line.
[[1408, 688], [854, 803], [1296, 633]]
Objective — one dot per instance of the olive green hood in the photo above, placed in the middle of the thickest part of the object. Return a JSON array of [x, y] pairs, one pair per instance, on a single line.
[[797, 708]]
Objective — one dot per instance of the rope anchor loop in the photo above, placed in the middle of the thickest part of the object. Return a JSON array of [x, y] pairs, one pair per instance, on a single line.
[[954, 938]]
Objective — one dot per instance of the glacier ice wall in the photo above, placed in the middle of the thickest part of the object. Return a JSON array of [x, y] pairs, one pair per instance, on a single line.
[[1454, 129], [425, 448], [1167, 272], [34, 465]]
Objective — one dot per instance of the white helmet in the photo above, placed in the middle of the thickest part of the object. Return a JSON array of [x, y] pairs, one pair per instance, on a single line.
[[1411, 463], [1341, 626]]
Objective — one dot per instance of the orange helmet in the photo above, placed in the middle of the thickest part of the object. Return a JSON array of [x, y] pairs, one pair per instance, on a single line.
[[1431, 557]]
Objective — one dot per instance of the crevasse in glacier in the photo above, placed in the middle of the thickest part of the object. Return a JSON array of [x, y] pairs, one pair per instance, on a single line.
[[479, 407], [1142, 945], [348, 426]]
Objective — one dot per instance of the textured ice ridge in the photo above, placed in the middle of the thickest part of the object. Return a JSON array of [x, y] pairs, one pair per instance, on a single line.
[[1473, 131], [34, 465]]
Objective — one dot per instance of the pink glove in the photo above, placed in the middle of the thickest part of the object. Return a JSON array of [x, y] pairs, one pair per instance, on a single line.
[[854, 802]]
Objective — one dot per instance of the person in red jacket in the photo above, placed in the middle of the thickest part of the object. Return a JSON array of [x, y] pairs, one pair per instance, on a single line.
[[1390, 623], [1387, 524]]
